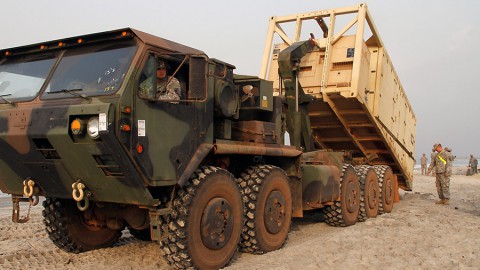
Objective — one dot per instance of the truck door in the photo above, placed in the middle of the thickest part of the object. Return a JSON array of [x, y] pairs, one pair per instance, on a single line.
[[167, 128]]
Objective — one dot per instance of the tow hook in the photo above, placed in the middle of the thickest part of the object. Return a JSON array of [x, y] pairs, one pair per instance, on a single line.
[[78, 193], [16, 199], [29, 191]]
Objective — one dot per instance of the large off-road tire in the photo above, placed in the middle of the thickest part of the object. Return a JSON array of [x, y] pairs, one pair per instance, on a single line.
[[203, 230], [345, 212], [369, 192], [68, 228], [387, 188], [268, 208], [143, 235]]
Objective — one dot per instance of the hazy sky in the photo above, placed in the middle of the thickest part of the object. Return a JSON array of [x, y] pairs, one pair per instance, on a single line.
[[434, 45]]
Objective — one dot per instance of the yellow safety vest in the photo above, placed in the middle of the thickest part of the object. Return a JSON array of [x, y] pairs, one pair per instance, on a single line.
[[443, 160]]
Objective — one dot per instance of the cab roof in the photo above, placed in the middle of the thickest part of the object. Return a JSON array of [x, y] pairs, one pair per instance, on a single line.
[[119, 34]]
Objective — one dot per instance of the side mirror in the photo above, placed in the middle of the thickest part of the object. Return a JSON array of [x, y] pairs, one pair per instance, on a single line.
[[198, 78]]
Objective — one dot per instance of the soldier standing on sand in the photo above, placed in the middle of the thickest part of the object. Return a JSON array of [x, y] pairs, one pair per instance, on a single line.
[[441, 164], [423, 163], [473, 164]]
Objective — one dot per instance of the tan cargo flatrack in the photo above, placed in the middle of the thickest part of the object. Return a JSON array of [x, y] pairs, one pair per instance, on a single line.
[[360, 104]]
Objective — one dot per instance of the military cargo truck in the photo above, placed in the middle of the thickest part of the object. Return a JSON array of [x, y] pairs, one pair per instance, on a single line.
[[123, 129]]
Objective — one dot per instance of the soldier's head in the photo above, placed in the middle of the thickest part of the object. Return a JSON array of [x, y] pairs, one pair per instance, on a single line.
[[423, 154], [162, 67], [437, 147]]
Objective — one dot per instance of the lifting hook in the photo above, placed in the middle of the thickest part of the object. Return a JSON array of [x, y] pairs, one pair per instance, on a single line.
[[28, 187], [78, 194]]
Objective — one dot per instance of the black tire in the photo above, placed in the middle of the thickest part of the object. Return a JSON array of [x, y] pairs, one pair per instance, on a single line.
[[387, 186], [369, 192], [203, 230], [66, 226], [143, 235], [268, 208], [345, 212]]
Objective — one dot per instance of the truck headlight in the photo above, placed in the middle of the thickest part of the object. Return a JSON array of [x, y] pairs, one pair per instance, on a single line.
[[92, 128]]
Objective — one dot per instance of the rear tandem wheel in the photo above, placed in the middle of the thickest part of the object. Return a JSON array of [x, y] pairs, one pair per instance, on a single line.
[[345, 212], [387, 186], [268, 204], [370, 192]]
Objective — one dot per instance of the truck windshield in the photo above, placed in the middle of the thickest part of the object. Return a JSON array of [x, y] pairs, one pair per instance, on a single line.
[[90, 71], [22, 78]]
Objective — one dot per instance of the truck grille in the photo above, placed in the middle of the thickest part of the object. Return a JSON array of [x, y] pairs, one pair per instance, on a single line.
[[108, 165], [45, 148]]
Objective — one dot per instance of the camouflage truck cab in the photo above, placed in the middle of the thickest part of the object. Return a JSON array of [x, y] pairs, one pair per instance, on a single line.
[[70, 110]]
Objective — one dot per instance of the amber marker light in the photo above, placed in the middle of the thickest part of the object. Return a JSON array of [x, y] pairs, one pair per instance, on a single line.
[[139, 148], [80, 41], [61, 44], [124, 33], [42, 47], [7, 53], [127, 109], [76, 127]]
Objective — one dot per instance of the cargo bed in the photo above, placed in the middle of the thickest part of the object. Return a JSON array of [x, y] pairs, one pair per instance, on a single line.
[[359, 104]]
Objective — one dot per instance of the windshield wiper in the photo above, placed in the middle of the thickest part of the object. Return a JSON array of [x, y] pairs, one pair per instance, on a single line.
[[71, 92], [6, 100]]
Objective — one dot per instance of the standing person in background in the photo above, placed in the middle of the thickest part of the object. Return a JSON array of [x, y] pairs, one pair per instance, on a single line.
[[441, 163], [474, 165], [423, 163]]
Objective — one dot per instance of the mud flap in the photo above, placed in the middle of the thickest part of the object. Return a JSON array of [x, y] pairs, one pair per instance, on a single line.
[[156, 223], [16, 199]]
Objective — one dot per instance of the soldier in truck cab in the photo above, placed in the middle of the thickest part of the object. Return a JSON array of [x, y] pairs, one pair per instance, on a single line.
[[168, 87]]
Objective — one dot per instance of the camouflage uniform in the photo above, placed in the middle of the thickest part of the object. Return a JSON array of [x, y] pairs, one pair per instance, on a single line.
[[432, 157], [423, 163], [450, 156], [167, 89], [441, 163], [474, 165]]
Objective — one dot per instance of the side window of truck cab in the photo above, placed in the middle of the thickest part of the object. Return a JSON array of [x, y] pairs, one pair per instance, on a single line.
[[147, 79], [163, 79], [173, 78]]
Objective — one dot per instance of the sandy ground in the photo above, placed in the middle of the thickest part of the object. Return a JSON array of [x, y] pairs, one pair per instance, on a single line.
[[417, 235]]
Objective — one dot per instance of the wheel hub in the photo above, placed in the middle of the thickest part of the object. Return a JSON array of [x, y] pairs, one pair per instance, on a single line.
[[274, 214], [91, 222], [372, 199], [217, 223], [352, 197], [388, 192]]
